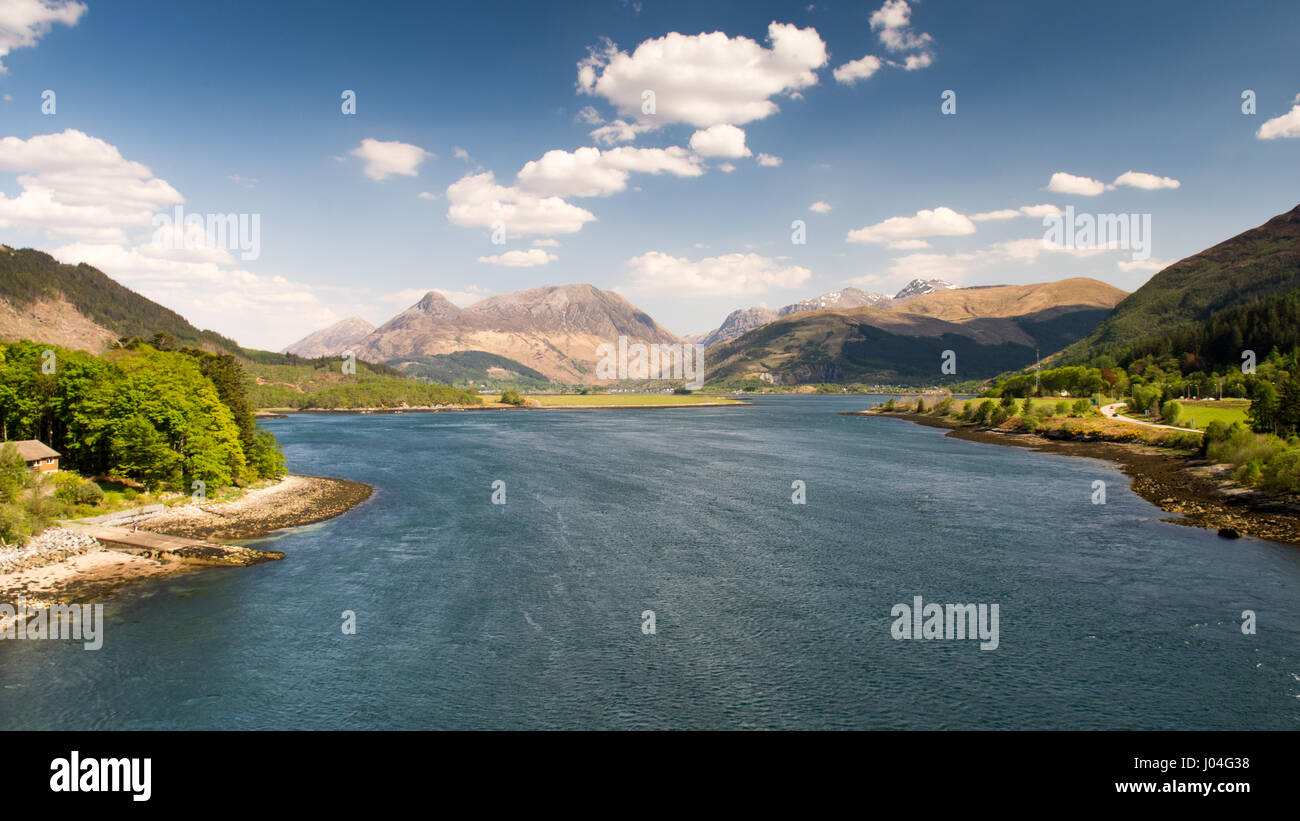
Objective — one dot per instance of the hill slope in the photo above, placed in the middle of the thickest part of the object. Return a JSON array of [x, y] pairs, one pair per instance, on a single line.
[[332, 340], [1251, 266], [81, 307]]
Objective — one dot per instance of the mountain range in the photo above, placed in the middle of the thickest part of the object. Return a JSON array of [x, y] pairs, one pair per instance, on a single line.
[[743, 320], [552, 332], [990, 329]]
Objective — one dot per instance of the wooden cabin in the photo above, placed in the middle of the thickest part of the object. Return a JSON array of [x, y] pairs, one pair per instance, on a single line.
[[38, 456]]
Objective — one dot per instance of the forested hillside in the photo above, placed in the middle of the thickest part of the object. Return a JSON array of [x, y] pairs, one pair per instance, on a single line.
[[162, 418]]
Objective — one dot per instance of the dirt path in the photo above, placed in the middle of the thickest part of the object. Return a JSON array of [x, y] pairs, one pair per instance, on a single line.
[[1110, 411]]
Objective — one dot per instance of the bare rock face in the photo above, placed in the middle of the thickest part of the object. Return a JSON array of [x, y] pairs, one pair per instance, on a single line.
[[840, 300], [921, 287], [333, 340], [555, 329], [738, 323]]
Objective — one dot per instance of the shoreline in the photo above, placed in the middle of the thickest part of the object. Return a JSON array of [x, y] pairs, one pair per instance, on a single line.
[[294, 501], [1197, 490]]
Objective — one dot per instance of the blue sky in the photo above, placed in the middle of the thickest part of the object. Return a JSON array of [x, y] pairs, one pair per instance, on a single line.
[[235, 108]]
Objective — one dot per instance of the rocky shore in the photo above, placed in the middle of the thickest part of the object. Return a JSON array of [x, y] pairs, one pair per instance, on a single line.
[[64, 565], [293, 501], [1200, 492]]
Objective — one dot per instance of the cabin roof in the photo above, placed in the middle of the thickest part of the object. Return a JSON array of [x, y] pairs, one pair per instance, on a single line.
[[31, 450]]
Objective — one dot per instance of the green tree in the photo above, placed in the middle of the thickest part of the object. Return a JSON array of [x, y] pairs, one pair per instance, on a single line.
[[1263, 411]]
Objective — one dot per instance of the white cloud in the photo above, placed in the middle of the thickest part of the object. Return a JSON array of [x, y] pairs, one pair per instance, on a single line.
[[1003, 214], [860, 69], [589, 172], [1029, 249], [79, 186], [23, 22], [459, 153], [893, 21], [939, 222], [1011, 213], [428, 195], [619, 131], [728, 275], [720, 140], [384, 159], [1151, 264], [918, 61], [577, 174], [705, 79], [546, 243], [820, 207], [589, 115], [768, 161], [908, 244], [1147, 182], [1063, 183], [951, 267], [1285, 126], [726, 168], [672, 160], [477, 201], [1040, 211], [521, 259]]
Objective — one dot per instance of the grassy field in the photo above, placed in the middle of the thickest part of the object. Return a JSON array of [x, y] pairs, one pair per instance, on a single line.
[[615, 400], [1200, 414]]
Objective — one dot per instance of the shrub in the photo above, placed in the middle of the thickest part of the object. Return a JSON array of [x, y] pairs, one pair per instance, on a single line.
[[14, 526], [984, 412], [1027, 407], [943, 407], [1249, 473], [890, 404], [1183, 439], [999, 416], [1240, 445], [1282, 473], [1169, 412], [1029, 423], [1008, 401], [13, 472], [512, 397], [1081, 407], [1062, 408], [88, 493], [65, 486], [920, 404]]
